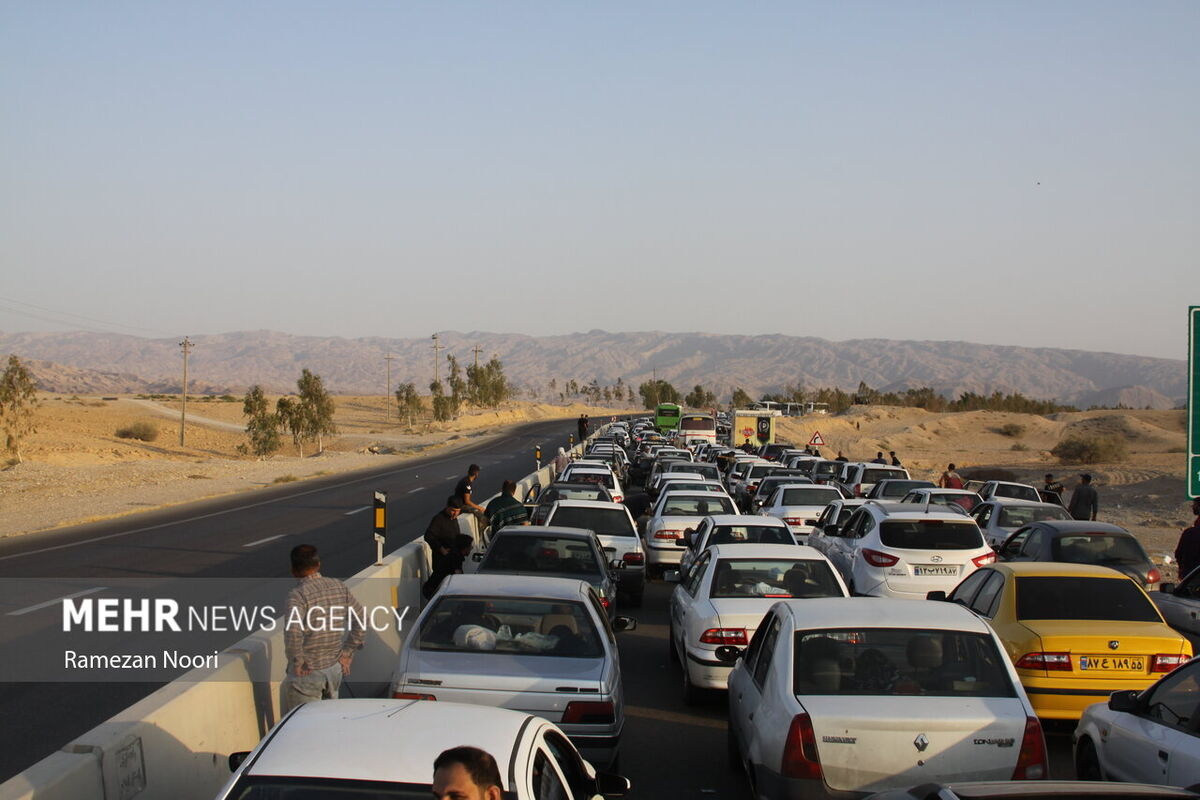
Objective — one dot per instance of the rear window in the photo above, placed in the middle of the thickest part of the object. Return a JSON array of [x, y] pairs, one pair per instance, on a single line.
[[1066, 597], [697, 506], [894, 661], [965, 501], [576, 493], [895, 488], [810, 496], [511, 625], [708, 470], [1105, 549], [750, 534], [521, 553], [872, 475], [774, 577], [1017, 516], [1019, 492], [601, 478], [601, 521], [930, 534], [827, 468]]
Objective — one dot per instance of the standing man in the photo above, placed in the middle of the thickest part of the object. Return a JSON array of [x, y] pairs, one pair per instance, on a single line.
[[463, 492], [895, 461], [443, 537], [879, 459], [841, 457], [1053, 486], [561, 462], [582, 426], [316, 643], [1187, 552], [466, 773], [506, 509], [950, 479], [1085, 502]]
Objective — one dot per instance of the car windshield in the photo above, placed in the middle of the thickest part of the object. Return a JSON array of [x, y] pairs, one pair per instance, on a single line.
[[1017, 491], [1072, 597], [930, 534], [809, 496], [872, 475], [601, 521], [1016, 516], [510, 625], [692, 486], [1105, 549], [751, 534], [708, 470], [522, 553], [899, 661], [696, 506], [272, 787], [774, 577]]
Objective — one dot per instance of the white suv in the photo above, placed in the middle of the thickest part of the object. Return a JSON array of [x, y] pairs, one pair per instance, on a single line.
[[898, 550]]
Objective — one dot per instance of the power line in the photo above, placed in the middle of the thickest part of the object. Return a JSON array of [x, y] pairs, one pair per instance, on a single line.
[[70, 314]]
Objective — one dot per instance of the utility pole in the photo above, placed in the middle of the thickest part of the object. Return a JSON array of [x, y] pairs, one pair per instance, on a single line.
[[476, 350], [187, 346], [387, 400], [437, 348]]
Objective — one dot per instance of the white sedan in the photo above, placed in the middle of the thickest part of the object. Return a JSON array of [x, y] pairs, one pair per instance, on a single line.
[[799, 505], [528, 643], [672, 514], [725, 595], [1144, 737], [866, 694], [1000, 517], [730, 529], [352, 749]]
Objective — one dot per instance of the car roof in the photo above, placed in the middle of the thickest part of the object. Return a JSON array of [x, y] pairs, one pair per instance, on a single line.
[[1055, 569], [882, 612], [383, 739], [907, 511], [753, 550], [1017, 501], [939, 490], [560, 531], [1070, 527], [590, 504], [513, 586], [742, 520]]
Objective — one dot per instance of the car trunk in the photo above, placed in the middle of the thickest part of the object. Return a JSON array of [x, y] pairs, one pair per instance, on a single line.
[[914, 740], [920, 571], [1092, 655]]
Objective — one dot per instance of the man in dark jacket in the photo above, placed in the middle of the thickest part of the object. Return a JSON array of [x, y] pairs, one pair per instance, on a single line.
[[445, 541], [506, 509], [1187, 552], [1085, 502]]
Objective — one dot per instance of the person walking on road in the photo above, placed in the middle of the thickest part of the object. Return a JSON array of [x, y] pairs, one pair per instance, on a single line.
[[950, 479], [1085, 501], [1187, 552], [466, 773], [324, 629], [506, 509]]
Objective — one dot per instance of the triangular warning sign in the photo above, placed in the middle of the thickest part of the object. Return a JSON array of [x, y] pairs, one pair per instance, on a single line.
[[816, 440]]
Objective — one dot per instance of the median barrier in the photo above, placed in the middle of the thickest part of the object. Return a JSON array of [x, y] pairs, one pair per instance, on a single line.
[[174, 744]]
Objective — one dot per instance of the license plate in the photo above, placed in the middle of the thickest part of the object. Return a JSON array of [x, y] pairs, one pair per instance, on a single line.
[[1123, 663], [935, 569]]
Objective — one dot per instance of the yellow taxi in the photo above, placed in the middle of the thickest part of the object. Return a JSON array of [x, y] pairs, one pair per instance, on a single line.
[[1075, 632]]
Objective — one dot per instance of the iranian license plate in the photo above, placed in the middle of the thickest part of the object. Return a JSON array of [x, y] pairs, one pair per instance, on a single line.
[[935, 569], [1122, 663]]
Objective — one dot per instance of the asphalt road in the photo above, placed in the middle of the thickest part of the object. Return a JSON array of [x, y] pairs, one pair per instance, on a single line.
[[242, 536]]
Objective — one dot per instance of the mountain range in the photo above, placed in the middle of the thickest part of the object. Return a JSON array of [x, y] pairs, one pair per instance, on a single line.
[[759, 364]]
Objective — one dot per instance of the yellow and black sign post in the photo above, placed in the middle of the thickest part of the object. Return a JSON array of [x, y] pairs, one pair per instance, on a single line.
[[537, 456], [380, 525]]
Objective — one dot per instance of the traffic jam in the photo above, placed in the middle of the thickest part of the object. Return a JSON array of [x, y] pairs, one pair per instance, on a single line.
[[854, 631]]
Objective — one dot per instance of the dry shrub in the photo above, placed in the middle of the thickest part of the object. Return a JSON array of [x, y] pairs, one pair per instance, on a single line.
[[142, 431], [1011, 429], [1089, 449]]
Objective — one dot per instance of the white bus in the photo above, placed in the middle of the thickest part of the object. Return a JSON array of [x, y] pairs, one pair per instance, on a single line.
[[696, 428]]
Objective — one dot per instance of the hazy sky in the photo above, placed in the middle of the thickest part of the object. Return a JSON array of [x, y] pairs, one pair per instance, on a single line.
[[1011, 172]]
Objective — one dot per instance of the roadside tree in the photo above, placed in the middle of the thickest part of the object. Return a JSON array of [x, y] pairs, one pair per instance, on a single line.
[[18, 400]]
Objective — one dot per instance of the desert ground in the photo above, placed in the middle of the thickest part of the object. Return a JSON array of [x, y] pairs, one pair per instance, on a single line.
[[77, 469]]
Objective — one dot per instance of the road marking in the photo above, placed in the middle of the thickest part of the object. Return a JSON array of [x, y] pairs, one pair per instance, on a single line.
[[56, 600], [268, 539], [418, 489], [355, 511]]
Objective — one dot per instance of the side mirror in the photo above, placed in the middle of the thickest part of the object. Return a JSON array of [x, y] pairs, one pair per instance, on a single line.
[[610, 785], [624, 624], [939, 595], [477, 557], [1126, 701], [236, 759], [833, 529], [728, 654], [616, 563], [671, 576], [1168, 588]]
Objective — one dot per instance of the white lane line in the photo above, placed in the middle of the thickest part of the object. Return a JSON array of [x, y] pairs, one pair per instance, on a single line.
[[355, 511], [268, 539], [55, 601], [418, 489]]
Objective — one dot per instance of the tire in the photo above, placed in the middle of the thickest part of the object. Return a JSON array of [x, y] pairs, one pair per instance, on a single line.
[[692, 694], [1087, 761], [732, 751]]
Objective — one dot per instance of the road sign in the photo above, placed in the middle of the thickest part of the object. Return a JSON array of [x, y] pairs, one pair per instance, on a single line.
[[1193, 402], [816, 440]]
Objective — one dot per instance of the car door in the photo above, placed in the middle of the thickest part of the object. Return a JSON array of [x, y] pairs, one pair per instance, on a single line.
[[756, 737], [684, 597], [570, 765], [1032, 544], [983, 515], [741, 681], [1142, 746], [1181, 607], [1011, 549], [844, 547]]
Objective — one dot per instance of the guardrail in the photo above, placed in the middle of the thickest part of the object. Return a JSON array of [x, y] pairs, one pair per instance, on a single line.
[[174, 744]]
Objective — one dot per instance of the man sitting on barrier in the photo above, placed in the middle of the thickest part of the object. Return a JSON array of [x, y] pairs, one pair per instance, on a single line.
[[506, 509]]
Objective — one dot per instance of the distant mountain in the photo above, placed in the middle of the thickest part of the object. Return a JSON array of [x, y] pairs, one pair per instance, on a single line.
[[65, 379], [1127, 396], [719, 362]]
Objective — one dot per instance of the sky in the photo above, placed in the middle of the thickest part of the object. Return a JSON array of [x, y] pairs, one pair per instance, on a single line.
[[1024, 172]]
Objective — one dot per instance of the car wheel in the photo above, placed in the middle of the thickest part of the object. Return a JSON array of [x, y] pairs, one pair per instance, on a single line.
[[692, 694], [732, 751], [1087, 761]]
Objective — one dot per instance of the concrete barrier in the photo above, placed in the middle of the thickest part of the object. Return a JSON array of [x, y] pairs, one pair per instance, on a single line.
[[174, 744]]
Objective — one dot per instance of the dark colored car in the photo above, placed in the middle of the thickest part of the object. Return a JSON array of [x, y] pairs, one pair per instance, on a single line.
[[1083, 542], [539, 504]]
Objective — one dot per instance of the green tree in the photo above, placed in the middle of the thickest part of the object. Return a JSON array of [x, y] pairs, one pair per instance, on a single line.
[[408, 403], [486, 384], [443, 406], [658, 391], [18, 400], [741, 399], [263, 425], [700, 397], [316, 408], [287, 412]]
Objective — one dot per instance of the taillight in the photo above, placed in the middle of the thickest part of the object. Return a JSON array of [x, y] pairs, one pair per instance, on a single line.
[[1164, 662], [667, 534], [616, 498], [412, 696], [1153, 576], [985, 559], [878, 559], [1051, 662], [1031, 761], [800, 759], [794, 520], [579, 712], [634, 559], [724, 636], [604, 601]]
